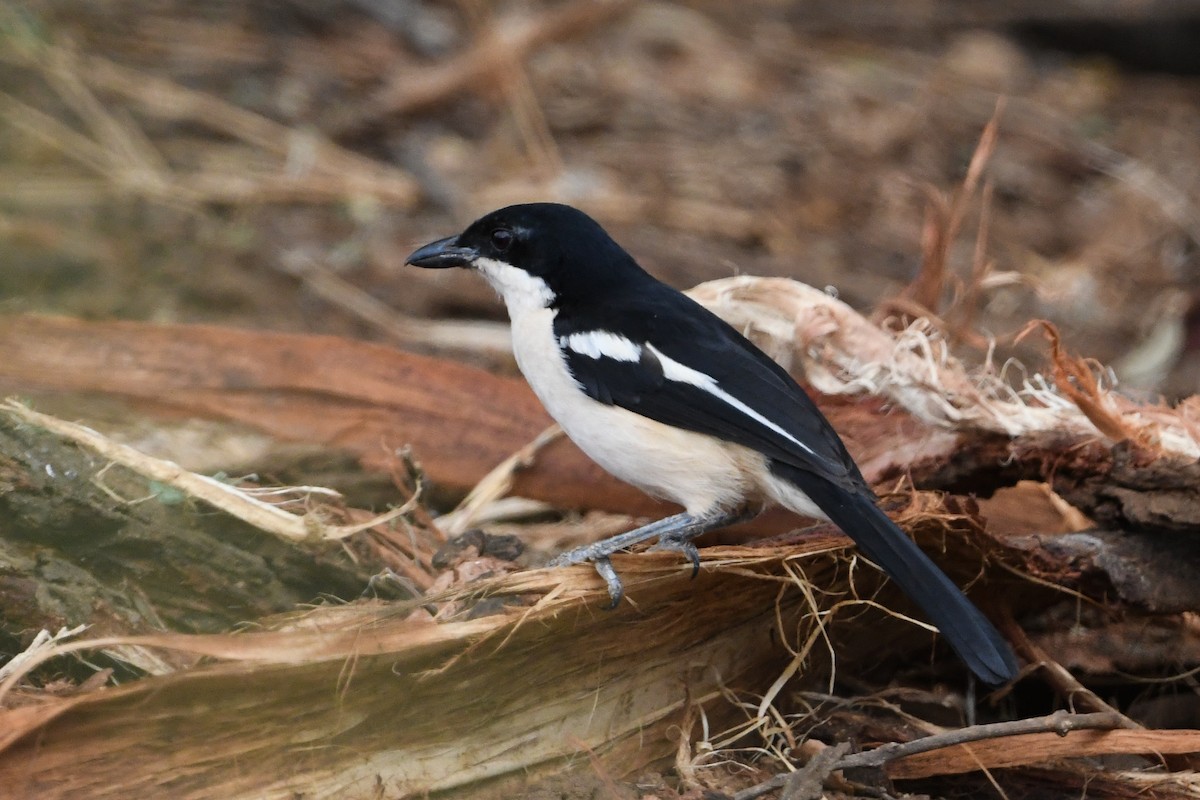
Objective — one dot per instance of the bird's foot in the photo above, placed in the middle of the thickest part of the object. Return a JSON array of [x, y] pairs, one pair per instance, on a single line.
[[599, 552], [606, 547], [673, 533]]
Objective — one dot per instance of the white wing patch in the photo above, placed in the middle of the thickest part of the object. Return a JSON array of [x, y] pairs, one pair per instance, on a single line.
[[601, 344], [680, 373]]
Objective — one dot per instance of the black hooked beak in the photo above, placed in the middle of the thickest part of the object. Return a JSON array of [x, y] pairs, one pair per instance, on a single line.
[[442, 254]]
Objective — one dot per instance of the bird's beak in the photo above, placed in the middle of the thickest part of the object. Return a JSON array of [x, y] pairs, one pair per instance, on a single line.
[[442, 254]]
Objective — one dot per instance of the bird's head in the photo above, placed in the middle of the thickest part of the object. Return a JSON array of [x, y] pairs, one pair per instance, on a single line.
[[536, 255]]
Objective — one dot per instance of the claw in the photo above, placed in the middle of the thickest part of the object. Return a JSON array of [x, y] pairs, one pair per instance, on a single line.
[[691, 552], [613, 581], [679, 544]]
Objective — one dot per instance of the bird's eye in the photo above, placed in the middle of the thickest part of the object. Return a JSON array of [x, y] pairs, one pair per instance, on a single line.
[[501, 239]]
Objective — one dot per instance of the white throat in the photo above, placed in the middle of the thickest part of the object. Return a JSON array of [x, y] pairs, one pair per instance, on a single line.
[[520, 291]]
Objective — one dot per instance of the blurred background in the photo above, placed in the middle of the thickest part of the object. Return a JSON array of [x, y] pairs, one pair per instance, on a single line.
[[270, 164]]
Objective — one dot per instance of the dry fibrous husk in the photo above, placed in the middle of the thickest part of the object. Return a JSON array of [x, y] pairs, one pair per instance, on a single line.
[[349, 702], [840, 352]]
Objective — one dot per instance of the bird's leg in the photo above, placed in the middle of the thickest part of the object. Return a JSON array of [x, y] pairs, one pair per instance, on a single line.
[[673, 533]]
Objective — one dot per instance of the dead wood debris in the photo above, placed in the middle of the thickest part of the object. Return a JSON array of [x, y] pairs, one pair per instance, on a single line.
[[831, 341], [505, 42], [943, 221], [737, 563], [834, 759], [398, 688], [115, 149], [907, 369], [246, 505]]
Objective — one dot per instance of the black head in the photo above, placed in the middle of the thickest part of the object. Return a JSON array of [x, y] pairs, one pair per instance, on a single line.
[[559, 245]]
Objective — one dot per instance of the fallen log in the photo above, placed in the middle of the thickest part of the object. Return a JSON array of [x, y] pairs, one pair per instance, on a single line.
[[520, 668]]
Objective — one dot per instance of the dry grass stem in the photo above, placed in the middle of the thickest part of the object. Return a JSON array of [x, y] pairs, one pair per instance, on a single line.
[[230, 499], [310, 168], [509, 40], [495, 485], [943, 221], [490, 339]]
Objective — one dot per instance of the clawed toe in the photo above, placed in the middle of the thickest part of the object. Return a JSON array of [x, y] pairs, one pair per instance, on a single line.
[[684, 546], [599, 557], [613, 581]]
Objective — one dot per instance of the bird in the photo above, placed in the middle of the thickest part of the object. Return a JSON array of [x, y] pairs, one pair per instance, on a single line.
[[666, 396]]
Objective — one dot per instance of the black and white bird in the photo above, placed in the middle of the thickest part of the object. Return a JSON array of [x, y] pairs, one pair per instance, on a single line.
[[666, 396]]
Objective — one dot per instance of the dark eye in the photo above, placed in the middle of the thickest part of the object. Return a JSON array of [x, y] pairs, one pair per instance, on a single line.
[[501, 239]]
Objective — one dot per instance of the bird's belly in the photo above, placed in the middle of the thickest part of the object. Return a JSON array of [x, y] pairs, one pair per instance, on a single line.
[[698, 472]]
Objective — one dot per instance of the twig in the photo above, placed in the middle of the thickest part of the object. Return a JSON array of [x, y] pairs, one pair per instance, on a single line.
[[803, 784], [1060, 722], [489, 339], [943, 220], [1056, 674], [807, 782], [486, 60], [118, 149]]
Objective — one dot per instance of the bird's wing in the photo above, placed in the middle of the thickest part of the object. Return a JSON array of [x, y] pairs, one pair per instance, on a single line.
[[679, 364]]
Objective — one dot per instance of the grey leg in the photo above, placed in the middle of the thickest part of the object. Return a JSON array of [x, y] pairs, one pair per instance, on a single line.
[[673, 533]]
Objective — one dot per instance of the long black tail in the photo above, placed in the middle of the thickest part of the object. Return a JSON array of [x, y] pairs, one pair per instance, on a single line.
[[967, 631]]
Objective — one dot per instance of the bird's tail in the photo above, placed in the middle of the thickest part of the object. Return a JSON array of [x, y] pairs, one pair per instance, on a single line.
[[968, 632]]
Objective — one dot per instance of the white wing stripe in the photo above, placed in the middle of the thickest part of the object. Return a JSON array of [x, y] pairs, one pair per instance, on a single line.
[[601, 344], [674, 371]]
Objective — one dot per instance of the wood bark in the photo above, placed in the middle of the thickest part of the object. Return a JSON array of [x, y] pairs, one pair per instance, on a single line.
[[519, 673], [82, 541]]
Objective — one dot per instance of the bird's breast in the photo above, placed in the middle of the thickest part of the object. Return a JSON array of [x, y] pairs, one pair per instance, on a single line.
[[698, 472]]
